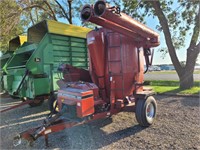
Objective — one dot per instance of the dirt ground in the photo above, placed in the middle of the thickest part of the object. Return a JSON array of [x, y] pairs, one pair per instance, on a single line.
[[177, 126]]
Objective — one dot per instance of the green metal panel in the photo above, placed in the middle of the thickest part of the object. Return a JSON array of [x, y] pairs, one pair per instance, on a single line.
[[15, 83], [13, 79], [21, 56], [36, 62], [68, 48], [41, 86], [4, 59], [43, 59], [8, 79]]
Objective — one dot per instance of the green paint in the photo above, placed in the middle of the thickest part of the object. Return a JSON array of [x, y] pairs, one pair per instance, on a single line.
[[42, 60]]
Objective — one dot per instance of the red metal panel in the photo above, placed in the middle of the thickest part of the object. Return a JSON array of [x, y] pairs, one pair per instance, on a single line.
[[96, 47], [128, 68], [82, 98], [85, 107], [121, 62]]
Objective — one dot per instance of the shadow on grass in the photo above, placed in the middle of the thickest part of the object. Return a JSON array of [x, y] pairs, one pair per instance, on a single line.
[[174, 90]]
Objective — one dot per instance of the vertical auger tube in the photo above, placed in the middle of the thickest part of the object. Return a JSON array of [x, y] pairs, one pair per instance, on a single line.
[[87, 14], [101, 9]]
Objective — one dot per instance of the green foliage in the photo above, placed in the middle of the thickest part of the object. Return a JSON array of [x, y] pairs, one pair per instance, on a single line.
[[77, 7], [18, 15], [9, 23]]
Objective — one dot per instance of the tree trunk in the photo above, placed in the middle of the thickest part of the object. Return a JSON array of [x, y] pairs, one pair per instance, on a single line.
[[186, 76], [186, 79], [185, 73]]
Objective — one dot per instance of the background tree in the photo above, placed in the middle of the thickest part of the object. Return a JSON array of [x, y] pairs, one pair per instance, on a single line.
[[177, 20], [18, 15], [10, 25]]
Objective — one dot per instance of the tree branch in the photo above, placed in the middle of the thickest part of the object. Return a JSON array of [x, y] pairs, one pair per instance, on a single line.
[[36, 6], [194, 48], [54, 16], [168, 38], [70, 11], [196, 31], [63, 10], [31, 17], [36, 14]]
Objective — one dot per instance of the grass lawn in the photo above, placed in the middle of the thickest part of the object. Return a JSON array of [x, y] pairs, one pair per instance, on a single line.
[[175, 90], [173, 87], [170, 72]]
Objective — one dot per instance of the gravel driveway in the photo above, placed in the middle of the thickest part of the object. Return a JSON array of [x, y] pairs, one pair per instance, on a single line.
[[177, 127]]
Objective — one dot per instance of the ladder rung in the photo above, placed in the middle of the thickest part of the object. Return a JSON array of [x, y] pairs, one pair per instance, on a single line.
[[116, 74], [114, 61], [114, 46], [117, 89]]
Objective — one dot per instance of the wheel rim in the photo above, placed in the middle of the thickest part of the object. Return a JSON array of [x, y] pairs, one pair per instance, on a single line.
[[150, 111]]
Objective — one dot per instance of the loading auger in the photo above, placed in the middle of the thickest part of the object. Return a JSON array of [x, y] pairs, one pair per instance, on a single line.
[[114, 82]]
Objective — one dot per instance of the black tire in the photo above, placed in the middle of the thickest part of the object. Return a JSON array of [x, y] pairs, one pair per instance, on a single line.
[[145, 111], [52, 104], [36, 102]]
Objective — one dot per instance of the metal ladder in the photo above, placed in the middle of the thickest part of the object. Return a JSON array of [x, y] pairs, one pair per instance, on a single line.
[[119, 62]]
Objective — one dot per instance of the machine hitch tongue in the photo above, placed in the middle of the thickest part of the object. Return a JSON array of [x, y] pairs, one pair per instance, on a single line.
[[32, 134], [38, 132], [30, 137]]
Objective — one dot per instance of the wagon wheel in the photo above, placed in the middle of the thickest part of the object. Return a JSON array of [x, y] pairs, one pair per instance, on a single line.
[[146, 111], [53, 106], [37, 101]]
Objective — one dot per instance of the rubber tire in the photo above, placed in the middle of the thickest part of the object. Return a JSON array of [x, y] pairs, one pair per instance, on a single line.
[[51, 101], [36, 102], [140, 111]]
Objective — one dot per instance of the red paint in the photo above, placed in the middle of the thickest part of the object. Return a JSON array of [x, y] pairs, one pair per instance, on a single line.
[[87, 14], [82, 98], [103, 10], [120, 62]]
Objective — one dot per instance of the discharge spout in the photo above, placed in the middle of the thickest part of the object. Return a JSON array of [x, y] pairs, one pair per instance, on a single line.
[[113, 14], [87, 15]]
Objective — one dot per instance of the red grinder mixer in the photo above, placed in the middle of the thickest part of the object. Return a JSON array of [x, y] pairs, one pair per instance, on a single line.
[[114, 82]]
